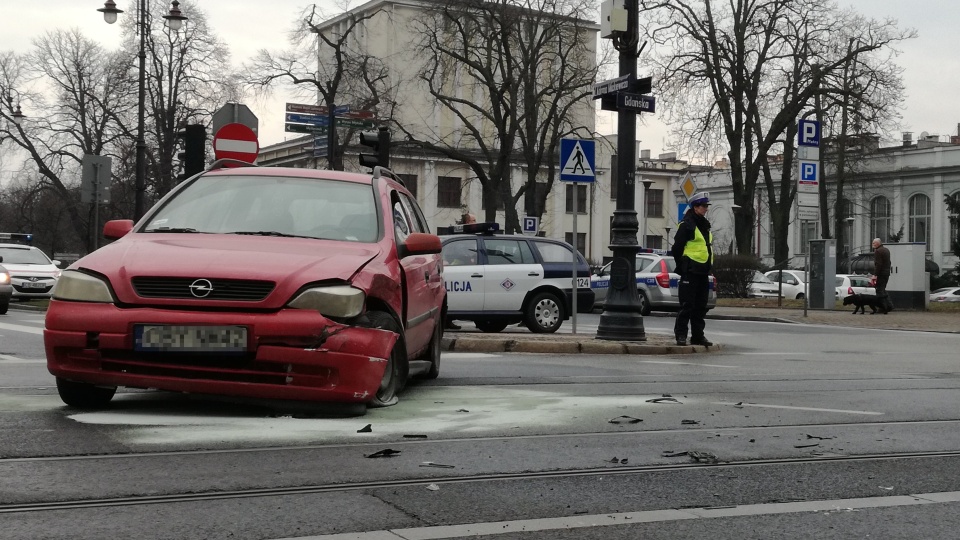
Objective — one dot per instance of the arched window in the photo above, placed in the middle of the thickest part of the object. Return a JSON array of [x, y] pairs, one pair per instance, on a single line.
[[880, 218], [954, 223], [920, 218]]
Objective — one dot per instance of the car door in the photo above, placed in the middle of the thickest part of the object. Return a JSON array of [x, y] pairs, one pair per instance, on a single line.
[[463, 275], [510, 271], [422, 278]]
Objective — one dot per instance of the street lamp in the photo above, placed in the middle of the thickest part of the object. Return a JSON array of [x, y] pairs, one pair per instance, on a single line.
[[174, 21], [15, 113]]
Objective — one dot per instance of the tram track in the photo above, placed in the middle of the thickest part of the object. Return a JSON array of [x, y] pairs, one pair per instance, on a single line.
[[141, 500]]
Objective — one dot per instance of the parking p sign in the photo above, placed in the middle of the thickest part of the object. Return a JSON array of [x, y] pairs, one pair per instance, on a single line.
[[808, 133], [531, 225]]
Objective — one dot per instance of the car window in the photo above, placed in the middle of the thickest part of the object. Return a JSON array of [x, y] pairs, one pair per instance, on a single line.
[[504, 251], [554, 253], [643, 264], [16, 255], [460, 252], [859, 282], [671, 264], [401, 223], [839, 281], [416, 220]]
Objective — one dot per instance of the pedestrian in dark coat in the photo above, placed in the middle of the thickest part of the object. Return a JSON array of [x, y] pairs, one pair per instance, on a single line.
[[881, 270], [693, 251]]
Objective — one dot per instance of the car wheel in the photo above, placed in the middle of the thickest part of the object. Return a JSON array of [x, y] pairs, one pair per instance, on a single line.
[[491, 327], [393, 375], [544, 313], [644, 303], [799, 296], [84, 395], [433, 353], [4, 306]]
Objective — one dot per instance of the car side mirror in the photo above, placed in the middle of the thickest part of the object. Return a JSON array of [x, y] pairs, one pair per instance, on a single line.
[[419, 244], [56, 263], [117, 228]]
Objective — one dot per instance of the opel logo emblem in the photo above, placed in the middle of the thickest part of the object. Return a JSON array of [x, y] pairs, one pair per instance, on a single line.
[[201, 288]]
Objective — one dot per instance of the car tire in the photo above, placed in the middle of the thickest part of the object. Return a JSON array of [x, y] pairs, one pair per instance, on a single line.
[[544, 313], [433, 353], [4, 306], [393, 375], [799, 296], [490, 327], [84, 395], [644, 303]]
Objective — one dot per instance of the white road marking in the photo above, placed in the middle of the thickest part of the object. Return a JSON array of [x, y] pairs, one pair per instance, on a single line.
[[774, 354], [767, 406], [682, 363], [18, 328], [468, 530], [467, 355], [7, 359]]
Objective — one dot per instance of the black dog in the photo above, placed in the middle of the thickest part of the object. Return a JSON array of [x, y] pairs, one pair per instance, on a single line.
[[860, 301]]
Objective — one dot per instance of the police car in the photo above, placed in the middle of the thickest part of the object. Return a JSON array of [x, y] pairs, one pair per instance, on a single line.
[[657, 282], [496, 280]]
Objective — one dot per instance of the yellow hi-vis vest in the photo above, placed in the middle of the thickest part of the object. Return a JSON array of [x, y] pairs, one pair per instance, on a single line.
[[696, 249]]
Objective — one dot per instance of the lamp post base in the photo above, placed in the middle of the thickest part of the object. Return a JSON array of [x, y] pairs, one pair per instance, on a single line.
[[621, 326]]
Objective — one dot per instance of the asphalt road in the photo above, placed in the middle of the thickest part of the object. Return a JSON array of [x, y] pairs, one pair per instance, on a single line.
[[790, 431]]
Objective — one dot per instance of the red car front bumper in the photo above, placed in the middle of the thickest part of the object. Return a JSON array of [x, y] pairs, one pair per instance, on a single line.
[[292, 354]]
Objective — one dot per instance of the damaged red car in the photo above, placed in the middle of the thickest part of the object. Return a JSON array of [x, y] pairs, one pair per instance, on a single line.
[[264, 283]]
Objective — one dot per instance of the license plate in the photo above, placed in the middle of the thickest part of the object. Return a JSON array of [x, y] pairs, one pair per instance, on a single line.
[[152, 337], [34, 285], [583, 283]]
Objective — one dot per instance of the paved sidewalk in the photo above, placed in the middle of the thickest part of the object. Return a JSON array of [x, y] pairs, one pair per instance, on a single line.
[[926, 321]]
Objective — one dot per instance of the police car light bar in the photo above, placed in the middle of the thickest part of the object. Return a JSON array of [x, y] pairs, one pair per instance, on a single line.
[[17, 238], [474, 228]]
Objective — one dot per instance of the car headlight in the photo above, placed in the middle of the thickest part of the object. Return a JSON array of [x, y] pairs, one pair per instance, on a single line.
[[80, 287], [333, 301], [4, 278]]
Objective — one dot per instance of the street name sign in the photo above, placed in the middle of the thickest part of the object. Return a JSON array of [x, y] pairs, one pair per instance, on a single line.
[[638, 103], [610, 86]]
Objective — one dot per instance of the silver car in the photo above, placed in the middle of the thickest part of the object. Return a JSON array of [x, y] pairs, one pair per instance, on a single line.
[[948, 294], [6, 290], [657, 283]]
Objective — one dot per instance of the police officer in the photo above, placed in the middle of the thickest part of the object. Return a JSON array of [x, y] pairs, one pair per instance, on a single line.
[[693, 251]]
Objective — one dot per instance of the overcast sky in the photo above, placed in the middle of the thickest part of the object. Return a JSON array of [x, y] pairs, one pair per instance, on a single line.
[[246, 26]]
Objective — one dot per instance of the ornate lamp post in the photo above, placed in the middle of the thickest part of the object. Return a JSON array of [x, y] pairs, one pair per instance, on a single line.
[[621, 319], [15, 112], [174, 21]]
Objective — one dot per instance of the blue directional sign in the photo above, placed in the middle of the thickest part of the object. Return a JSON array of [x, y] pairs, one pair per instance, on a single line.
[[808, 133], [577, 158], [308, 119], [531, 225]]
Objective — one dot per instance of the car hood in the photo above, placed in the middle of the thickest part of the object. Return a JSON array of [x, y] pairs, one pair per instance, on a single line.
[[31, 269], [289, 262]]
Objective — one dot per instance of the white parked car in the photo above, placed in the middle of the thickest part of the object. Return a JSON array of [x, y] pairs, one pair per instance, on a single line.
[[762, 287], [850, 284], [948, 294], [793, 282], [6, 291], [32, 273]]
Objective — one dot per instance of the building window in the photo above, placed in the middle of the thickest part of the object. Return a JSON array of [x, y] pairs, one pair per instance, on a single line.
[[848, 243], [581, 198], [880, 219], [808, 232], [581, 241], [410, 180], [954, 224], [920, 218], [449, 189], [653, 242], [654, 203]]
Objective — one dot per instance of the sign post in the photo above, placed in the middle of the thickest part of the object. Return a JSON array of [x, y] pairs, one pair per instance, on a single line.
[[808, 189], [577, 164]]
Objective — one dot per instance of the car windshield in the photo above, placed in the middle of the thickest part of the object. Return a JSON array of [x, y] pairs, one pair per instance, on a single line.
[[271, 206], [15, 255], [760, 278]]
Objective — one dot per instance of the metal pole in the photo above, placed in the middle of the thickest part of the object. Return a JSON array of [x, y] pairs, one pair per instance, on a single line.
[[576, 195], [806, 276], [96, 205], [621, 319], [141, 172]]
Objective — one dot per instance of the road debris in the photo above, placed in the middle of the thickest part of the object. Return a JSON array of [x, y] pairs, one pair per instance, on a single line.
[[663, 400], [820, 438], [462, 410], [437, 465], [415, 436], [624, 420], [433, 487], [386, 452], [671, 453], [806, 445], [703, 457], [690, 423], [366, 429]]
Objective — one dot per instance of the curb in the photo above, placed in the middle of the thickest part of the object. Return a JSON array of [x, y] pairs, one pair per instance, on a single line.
[[20, 307], [587, 346]]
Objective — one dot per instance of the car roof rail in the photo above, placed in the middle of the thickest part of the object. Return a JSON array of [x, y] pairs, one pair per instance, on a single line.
[[379, 172], [222, 164]]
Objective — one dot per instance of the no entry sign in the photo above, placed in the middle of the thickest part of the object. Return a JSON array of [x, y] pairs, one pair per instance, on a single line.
[[236, 141]]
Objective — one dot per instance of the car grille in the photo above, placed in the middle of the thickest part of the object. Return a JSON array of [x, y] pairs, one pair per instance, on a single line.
[[222, 289]]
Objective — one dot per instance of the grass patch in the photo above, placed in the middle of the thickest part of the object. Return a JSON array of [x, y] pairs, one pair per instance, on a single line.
[[933, 307]]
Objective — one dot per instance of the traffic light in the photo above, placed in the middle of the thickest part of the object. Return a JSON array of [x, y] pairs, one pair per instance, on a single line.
[[380, 142], [194, 155]]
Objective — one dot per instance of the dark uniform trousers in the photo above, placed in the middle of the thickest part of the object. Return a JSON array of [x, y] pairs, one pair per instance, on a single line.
[[694, 290]]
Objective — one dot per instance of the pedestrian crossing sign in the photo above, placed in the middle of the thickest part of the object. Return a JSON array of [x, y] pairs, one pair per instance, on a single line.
[[577, 160]]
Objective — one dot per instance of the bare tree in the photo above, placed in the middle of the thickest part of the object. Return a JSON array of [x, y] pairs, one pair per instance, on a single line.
[[515, 75], [326, 60], [721, 70]]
